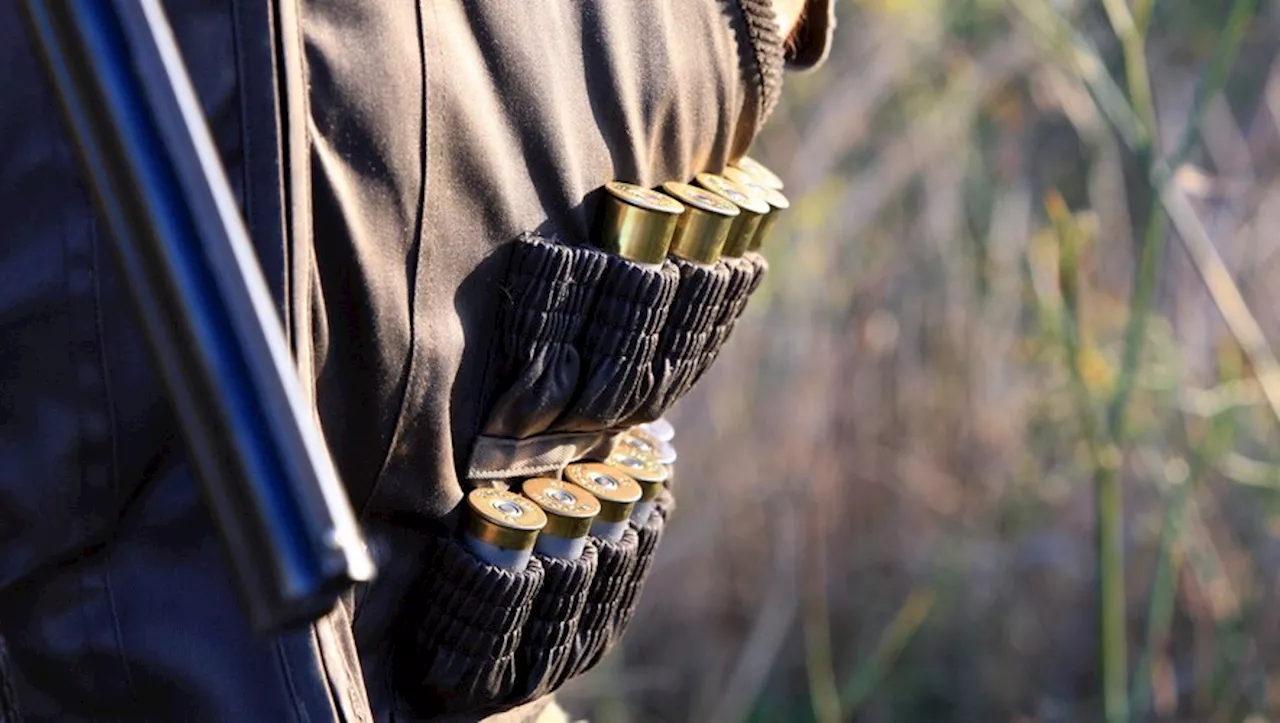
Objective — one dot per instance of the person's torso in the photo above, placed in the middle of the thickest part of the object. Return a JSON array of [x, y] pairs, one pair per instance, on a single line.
[[471, 124]]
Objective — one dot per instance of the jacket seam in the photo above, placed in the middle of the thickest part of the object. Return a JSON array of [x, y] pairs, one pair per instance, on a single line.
[[113, 447], [397, 430], [96, 442]]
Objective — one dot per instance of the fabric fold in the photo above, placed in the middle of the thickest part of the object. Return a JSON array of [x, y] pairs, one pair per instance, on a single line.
[[618, 344], [501, 458], [535, 368]]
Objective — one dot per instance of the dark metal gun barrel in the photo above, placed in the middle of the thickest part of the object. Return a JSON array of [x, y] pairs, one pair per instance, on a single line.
[[159, 187]]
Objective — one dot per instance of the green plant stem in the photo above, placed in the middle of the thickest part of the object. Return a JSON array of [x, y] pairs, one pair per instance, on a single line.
[[1142, 10], [1133, 45], [1159, 614], [816, 621], [1108, 495], [1160, 603], [1134, 120], [1115, 663], [1224, 56], [1110, 517], [913, 613], [1141, 300], [1068, 264]]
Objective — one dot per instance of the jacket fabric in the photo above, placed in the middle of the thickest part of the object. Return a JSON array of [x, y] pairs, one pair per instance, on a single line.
[[399, 165]]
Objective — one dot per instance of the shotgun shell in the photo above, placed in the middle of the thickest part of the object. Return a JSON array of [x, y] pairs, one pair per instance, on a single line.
[[763, 175], [777, 204], [661, 429], [741, 177], [751, 211], [641, 442], [772, 196], [502, 527], [648, 472], [638, 223], [616, 492], [570, 511], [704, 226]]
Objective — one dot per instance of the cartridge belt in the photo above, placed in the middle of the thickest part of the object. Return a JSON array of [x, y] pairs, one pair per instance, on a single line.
[[594, 339], [571, 477]]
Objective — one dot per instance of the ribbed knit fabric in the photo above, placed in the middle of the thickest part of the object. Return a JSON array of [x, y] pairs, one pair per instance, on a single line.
[[466, 628], [761, 28], [544, 299], [547, 644], [481, 638], [690, 325], [759, 267], [618, 344], [745, 275], [649, 534], [601, 614]]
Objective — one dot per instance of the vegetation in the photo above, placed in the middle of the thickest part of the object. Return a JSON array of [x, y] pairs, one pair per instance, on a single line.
[[998, 439]]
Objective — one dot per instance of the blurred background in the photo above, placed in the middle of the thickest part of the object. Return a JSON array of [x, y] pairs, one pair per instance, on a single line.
[[991, 443]]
